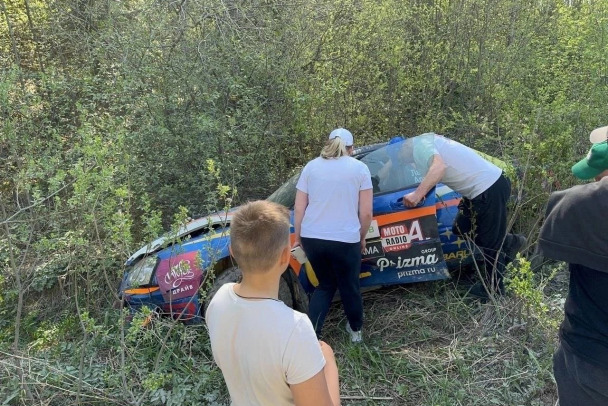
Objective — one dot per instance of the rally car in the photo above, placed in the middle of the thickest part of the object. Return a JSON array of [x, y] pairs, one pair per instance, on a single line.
[[404, 245]]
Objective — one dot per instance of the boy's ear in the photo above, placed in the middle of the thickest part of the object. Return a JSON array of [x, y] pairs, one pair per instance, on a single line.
[[286, 254]]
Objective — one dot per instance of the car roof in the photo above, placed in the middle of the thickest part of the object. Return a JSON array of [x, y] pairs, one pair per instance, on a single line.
[[220, 219]]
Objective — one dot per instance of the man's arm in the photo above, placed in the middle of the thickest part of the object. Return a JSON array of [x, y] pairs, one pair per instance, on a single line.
[[385, 170], [323, 389], [433, 176], [299, 209], [366, 198]]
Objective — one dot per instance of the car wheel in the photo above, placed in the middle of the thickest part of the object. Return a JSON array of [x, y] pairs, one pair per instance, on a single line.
[[291, 291]]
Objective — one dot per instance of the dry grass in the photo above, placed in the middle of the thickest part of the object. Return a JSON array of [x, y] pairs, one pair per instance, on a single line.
[[427, 344]]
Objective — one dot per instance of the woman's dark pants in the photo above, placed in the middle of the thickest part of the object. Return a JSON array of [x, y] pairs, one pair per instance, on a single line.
[[337, 266]]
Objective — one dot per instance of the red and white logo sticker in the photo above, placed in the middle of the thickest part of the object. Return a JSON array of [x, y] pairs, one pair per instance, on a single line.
[[399, 237]]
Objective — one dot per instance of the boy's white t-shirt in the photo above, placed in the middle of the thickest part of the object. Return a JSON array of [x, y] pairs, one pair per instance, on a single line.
[[261, 346], [333, 187], [466, 171]]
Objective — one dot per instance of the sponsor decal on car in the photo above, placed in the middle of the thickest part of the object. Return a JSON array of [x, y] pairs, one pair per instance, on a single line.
[[428, 256], [373, 249], [462, 254], [373, 231], [408, 249], [408, 262], [179, 276], [399, 236], [421, 261]]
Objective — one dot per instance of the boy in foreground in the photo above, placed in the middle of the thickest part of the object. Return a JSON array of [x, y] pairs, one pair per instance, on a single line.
[[268, 353]]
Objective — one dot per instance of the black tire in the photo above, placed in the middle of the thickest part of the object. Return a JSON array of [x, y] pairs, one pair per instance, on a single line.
[[232, 274], [291, 291]]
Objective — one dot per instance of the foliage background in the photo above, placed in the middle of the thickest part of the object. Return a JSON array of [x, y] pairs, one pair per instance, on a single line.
[[110, 112]]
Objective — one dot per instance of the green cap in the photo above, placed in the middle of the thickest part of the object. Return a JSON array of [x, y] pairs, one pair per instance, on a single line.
[[594, 163]]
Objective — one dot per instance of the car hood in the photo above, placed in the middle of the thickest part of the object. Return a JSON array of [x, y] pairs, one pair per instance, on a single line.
[[215, 220]]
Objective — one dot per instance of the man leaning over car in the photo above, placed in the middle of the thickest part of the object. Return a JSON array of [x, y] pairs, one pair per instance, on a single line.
[[483, 208]]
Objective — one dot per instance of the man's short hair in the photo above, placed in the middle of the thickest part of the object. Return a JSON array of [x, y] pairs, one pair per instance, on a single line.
[[259, 231]]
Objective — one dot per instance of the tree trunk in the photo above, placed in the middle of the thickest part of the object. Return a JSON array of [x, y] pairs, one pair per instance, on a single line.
[[35, 37], [13, 41], [19, 286]]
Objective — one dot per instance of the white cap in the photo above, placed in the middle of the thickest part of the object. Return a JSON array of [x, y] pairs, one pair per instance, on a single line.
[[599, 135], [343, 133]]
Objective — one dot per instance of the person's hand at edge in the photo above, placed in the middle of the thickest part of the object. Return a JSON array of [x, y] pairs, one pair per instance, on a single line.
[[412, 199]]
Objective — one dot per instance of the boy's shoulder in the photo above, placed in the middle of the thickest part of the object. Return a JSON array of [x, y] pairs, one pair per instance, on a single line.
[[220, 299], [226, 301], [265, 320], [224, 291]]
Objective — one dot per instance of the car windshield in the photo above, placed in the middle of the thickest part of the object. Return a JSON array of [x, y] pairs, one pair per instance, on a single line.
[[393, 167], [400, 164], [286, 193]]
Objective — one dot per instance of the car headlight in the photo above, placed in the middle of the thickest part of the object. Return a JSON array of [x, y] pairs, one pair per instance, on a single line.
[[142, 272]]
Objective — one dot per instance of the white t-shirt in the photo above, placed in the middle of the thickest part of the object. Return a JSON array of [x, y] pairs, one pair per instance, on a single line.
[[261, 346], [466, 171], [333, 187]]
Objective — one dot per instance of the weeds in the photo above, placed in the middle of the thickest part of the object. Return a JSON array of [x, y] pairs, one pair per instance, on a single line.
[[428, 344], [425, 344]]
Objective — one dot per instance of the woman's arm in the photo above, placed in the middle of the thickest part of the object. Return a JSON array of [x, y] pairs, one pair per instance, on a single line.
[[299, 209], [366, 198]]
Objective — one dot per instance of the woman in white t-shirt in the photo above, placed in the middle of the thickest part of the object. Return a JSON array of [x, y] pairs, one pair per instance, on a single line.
[[333, 211]]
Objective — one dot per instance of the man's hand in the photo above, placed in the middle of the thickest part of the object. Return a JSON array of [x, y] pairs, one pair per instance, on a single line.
[[436, 171], [412, 199]]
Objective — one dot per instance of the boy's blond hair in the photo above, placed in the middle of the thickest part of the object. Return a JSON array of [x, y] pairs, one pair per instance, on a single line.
[[259, 232]]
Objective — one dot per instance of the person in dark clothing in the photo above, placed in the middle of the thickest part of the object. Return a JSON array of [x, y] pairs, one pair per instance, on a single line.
[[574, 231]]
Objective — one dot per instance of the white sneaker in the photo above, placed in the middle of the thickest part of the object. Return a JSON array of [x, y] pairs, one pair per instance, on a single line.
[[355, 336]]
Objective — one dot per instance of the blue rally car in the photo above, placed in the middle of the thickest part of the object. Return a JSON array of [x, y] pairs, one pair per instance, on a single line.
[[403, 245]]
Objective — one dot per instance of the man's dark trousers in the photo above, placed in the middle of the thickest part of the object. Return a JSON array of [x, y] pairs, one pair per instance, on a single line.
[[579, 382], [486, 216]]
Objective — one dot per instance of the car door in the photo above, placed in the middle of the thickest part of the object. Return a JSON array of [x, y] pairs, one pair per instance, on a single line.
[[403, 244]]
